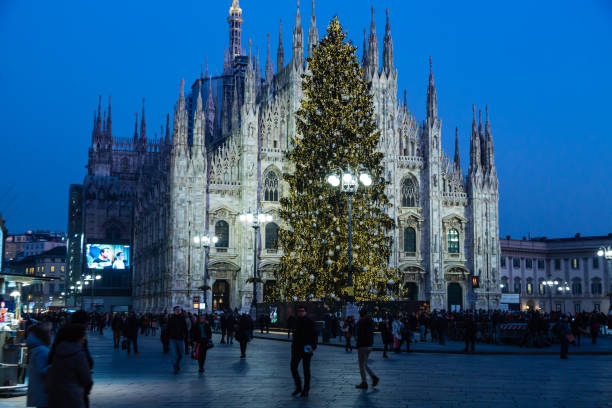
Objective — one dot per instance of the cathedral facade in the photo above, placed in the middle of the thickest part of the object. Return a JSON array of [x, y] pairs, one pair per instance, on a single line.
[[224, 153]]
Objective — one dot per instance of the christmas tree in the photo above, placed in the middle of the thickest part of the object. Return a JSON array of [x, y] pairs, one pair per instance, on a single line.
[[336, 131]]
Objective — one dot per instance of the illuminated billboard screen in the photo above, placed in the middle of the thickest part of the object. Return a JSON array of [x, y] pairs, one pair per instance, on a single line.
[[108, 256]]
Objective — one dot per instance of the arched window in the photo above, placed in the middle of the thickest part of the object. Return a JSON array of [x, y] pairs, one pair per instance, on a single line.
[[576, 286], [529, 287], [222, 232], [409, 240], [271, 236], [517, 285], [596, 287], [453, 241], [504, 284], [271, 186], [410, 192], [542, 287]]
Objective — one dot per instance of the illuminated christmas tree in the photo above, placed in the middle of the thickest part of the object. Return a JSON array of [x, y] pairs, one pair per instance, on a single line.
[[336, 132]]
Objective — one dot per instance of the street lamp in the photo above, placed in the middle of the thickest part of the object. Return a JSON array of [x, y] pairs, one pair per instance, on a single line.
[[255, 220], [205, 241], [349, 183], [86, 280]]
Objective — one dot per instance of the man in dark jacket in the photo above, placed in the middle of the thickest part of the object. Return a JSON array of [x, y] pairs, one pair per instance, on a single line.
[[470, 333], [176, 332], [365, 340], [130, 331], [116, 324], [302, 347]]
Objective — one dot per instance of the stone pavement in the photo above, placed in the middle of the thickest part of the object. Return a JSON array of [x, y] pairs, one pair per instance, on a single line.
[[407, 380], [603, 346]]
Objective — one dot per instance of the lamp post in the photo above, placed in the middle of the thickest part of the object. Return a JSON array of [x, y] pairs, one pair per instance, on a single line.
[[205, 241], [92, 279], [349, 183], [561, 287], [606, 253], [255, 220]]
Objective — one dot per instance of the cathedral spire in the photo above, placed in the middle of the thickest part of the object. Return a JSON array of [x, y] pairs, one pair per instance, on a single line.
[[179, 132], [475, 156], [109, 121], [210, 114], [99, 117], [136, 129], [432, 98], [167, 138], [249, 80], [313, 33], [489, 139], [298, 41], [198, 124], [405, 101], [280, 53], [235, 30], [364, 58], [388, 49], [373, 48], [457, 157], [269, 69], [143, 123]]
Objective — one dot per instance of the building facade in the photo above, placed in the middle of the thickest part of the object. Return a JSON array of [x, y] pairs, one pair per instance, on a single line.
[[583, 279], [226, 155], [30, 243]]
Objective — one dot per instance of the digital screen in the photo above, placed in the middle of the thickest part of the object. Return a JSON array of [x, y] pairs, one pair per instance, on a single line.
[[108, 256]]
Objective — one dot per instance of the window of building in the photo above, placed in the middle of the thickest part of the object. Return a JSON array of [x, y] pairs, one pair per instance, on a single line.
[[595, 262], [540, 264], [517, 285], [62, 268], [558, 307], [409, 240], [503, 261], [222, 232], [576, 307], [52, 268], [576, 287], [528, 263], [271, 186], [557, 264], [410, 192], [542, 287], [271, 235], [575, 263], [453, 241], [529, 286], [596, 306], [516, 262], [504, 285], [596, 287]]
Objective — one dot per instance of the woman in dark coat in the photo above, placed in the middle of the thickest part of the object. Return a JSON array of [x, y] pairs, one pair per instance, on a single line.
[[201, 334], [68, 380], [386, 333], [243, 333]]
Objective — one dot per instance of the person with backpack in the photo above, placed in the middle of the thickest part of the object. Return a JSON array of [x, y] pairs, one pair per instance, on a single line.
[[365, 340]]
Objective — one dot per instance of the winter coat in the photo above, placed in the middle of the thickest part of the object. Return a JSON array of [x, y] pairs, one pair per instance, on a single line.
[[177, 328], [304, 334], [196, 332], [68, 379], [37, 371], [365, 332]]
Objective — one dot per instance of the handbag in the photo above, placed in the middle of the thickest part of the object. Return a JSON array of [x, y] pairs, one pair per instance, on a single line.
[[196, 355]]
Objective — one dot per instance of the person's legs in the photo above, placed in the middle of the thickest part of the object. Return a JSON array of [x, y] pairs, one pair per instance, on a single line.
[[367, 367], [223, 333], [422, 330], [295, 362], [306, 364], [243, 347], [135, 340], [175, 350], [202, 356], [362, 355], [473, 343]]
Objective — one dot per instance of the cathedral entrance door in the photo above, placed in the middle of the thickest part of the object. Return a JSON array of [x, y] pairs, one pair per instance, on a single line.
[[220, 294], [455, 297], [412, 291]]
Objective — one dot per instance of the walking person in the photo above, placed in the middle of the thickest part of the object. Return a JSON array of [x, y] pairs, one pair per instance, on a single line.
[[131, 332], [470, 333], [201, 336], [38, 341], [396, 329], [386, 333], [116, 324], [562, 330], [68, 380], [365, 340], [348, 330], [176, 333], [244, 333], [302, 347]]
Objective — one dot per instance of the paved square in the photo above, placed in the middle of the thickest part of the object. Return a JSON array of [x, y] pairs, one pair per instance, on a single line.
[[407, 380]]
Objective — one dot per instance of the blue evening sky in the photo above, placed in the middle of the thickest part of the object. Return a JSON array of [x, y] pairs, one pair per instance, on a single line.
[[543, 67]]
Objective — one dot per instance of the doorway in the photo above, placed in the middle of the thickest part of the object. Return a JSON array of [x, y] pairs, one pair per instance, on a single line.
[[455, 297], [220, 295]]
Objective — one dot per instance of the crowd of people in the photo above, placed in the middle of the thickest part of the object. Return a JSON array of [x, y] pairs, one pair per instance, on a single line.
[[60, 363]]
